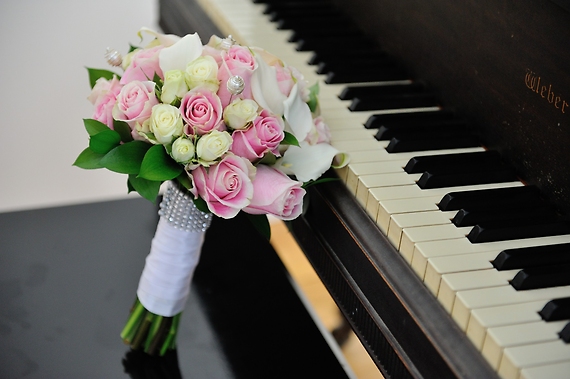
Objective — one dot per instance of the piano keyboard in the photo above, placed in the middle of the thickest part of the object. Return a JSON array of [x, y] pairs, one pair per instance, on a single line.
[[425, 213]]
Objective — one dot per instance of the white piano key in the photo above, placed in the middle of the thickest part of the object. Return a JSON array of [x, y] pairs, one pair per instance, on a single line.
[[461, 281], [466, 301], [484, 318], [362, 156], [356, 170], [382, 180], [436, 267], [551, 371], [414, 235], [431, 249], [501, 337], [520, 357], [389, 207], [407, 220]]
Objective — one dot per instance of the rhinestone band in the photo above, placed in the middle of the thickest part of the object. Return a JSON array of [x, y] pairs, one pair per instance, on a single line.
[[179, 210]]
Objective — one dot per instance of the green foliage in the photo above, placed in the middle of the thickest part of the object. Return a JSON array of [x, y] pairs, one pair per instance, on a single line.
[[123, 129], [261, 224], [93, 126], [104, 141], [146, 188], [126, 158], [158, 165], [88, 160], [290, 139], [95, 74], [313, 97]]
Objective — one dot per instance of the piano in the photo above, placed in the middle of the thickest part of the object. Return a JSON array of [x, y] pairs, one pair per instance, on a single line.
[[445, 242]]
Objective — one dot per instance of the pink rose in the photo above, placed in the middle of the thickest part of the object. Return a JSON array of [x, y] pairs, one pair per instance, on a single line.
[[238, 60], [284, 79], [103, 97], [144, 65], [202, 111], [225, 187], [264, 135], [320, 132], [275, 193], [134, 103]]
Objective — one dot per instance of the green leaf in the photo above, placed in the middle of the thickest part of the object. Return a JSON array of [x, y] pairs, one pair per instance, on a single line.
[[123, 129], [146, 188], [104, 141], [290, 139], [184, 180], [126, 158], [88, 159], [313, 97], [94, 127], [158, 165], [201, 205], [261, 224], [95, 74]]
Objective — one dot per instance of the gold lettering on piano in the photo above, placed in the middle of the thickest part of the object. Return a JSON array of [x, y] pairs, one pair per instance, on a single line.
[[533, 82]]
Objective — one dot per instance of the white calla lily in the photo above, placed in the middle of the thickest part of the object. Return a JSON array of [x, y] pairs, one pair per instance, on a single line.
[[294, 161], [184, 51], [265, 88], [164, 39], [298, 114]]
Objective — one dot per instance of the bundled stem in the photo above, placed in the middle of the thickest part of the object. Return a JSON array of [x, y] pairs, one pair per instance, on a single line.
[[152, 332]]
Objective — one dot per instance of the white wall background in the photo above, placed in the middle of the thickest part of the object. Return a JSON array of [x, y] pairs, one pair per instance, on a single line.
[[46, 46]]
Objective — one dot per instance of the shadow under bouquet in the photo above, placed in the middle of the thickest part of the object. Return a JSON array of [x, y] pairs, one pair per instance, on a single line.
[[231, 128]]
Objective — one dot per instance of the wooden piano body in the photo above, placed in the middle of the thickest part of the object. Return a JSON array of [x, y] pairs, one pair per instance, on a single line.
[[502, 64]]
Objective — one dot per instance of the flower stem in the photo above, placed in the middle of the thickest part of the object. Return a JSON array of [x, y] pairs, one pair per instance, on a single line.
[[137, 314]]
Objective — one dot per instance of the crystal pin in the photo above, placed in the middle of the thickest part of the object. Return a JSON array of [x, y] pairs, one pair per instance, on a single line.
[[235, 85], [227, 42], [113, 57]]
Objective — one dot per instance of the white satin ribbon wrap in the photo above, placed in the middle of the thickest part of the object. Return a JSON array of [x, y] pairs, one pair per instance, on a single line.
[[165, 281]]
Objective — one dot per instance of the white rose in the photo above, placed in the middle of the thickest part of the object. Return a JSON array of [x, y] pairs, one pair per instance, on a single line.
[[183, 150], [165, 123], [203, 72], [174, 86], [212, 146], [240, 113]]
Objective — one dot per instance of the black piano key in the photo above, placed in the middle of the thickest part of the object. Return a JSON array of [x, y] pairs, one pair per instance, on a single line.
[[520, 258], [367, 75], [565, 333], [411, 143], [390, 130], [409, 118], [492, 231], [541, 277], [489, 198], [324, 68], [466, 217], [301, 21], [324, 55], [312, 9], [314, 43], [417, 165], [402, 101], [311, 31], [556, 310], [499, 174], [351, 92]]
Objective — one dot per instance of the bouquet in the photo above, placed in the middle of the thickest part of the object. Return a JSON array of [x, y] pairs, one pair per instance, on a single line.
[[231, 128]]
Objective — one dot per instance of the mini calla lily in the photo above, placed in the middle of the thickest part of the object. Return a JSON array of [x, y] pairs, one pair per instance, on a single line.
[[294, 161], [265, 88], [184, 51], [298, 114], [164, 39]]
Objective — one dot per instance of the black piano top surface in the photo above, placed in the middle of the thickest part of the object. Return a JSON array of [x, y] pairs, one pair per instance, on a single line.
[[503, 63], [68, 276]]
